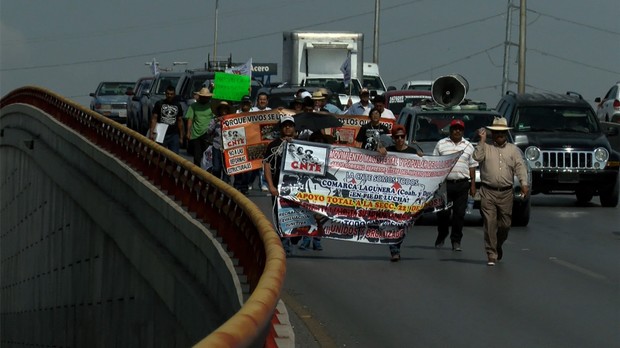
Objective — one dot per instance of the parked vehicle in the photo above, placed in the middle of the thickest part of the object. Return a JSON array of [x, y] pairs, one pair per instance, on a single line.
[[110, 99], [137, 109], [372, 79], [608, 108], [314, 59], [283, 96], [564, 144], [418, 85], [396, 100], [427, 126]]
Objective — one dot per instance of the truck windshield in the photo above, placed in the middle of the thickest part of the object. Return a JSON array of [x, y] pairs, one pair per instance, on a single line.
[[550, 119]]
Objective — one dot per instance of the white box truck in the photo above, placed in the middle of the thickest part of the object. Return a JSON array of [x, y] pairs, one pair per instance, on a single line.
[[314, 59]]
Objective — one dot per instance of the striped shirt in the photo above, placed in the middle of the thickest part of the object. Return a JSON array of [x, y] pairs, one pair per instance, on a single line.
[[460, 170]]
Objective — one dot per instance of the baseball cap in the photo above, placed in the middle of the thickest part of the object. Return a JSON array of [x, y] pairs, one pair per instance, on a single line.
[[246, 99], [285, 118], [398, 128], [457, 123]]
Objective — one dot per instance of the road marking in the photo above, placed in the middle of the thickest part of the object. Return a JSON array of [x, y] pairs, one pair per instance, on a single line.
[[314, 326], [577, 268]]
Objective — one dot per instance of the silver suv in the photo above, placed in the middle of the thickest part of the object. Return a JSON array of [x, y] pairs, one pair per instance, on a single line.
[[110, 99]]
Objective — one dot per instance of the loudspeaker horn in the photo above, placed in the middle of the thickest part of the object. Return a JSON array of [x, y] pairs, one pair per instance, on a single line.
[[449, 90]]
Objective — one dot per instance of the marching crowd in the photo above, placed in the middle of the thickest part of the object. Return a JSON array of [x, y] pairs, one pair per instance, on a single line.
[[499, 161]]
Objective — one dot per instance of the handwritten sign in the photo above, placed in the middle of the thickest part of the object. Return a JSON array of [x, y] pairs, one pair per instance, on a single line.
[[231, 86]]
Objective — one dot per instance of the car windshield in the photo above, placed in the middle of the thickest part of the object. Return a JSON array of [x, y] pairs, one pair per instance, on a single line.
[[549, 119], [436, 126], [115, 88], [163, 83], [336, 86], [424, 87], [397, 102], [373, 82]]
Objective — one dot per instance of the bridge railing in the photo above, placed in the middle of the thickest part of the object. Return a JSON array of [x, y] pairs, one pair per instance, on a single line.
[[245, 230]]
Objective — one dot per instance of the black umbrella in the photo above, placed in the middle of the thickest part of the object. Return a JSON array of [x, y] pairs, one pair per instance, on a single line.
[[315, 121]]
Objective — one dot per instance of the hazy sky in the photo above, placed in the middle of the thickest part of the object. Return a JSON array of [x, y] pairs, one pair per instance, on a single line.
[[70, 46]]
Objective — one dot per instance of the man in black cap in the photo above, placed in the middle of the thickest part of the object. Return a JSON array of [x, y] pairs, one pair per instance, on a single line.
[[362, 107], [246, 104]]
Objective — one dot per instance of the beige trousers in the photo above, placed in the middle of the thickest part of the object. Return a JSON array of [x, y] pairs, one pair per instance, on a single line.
[[496, 210]]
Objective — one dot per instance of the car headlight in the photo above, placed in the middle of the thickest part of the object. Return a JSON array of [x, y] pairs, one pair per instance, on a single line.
[[601, 154], [532, 153]]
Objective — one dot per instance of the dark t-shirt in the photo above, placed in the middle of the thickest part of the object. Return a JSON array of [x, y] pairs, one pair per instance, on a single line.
[[168, 113], [408, 149], [273, 156], [368, 135]]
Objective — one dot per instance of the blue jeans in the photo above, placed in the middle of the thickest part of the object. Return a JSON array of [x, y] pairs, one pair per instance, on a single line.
[[171, 141]]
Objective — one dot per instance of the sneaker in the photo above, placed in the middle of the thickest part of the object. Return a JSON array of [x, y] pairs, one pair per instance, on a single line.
[[317, 247], [395, 257], [491, 262], [500, 252], [439, 243], [264, 188], [456, 246]]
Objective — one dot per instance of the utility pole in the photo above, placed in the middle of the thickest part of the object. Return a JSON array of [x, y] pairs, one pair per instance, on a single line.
[[215, 32], [507, 44], [375, 44], [522, 25]]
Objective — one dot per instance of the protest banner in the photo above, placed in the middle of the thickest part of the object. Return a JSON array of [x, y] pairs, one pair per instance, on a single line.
[[351, 125], [245, 137], [352, 194], [231, 86]]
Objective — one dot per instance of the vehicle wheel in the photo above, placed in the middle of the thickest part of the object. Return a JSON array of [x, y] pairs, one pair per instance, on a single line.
[[521, 213], [609, 198], [584, 196]]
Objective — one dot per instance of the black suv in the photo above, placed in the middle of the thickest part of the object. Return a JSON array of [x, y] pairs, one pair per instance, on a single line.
[[564, 144], [427, 126]]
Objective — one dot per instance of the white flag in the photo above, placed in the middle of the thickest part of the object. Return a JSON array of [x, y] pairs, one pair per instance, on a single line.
[[154, 68], [346, 69], [245, 69]]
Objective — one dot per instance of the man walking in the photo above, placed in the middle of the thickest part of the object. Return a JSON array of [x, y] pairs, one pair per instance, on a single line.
[[459, 183], [499, 163], [170, 112], [198, 116]]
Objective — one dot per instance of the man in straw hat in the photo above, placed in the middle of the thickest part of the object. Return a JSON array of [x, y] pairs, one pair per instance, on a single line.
[[198, 116], [499, 163]]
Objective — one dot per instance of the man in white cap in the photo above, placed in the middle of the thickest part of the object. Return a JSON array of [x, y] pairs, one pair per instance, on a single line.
[[272, 162], [499, 163], [198, 116]]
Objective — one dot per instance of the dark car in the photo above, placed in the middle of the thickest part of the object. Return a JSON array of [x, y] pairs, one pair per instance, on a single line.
[[284, 96], [564, 144], [396, 100], [137, 109], [427, 126], [110, 99]]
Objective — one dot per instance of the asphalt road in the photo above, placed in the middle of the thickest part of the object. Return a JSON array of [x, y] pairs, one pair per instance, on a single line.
[[557, 286]]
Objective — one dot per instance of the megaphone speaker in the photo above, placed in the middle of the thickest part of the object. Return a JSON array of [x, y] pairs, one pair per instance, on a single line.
[[449, 90]]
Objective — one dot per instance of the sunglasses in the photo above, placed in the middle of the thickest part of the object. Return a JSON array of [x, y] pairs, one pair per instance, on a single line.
[[398, 136]]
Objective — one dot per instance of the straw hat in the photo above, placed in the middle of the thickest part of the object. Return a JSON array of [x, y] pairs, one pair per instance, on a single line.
[[317, 95], [499, 124], [205, 92]]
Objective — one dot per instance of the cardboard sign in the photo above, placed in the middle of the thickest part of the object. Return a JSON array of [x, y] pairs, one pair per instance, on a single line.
[[231, 86]]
